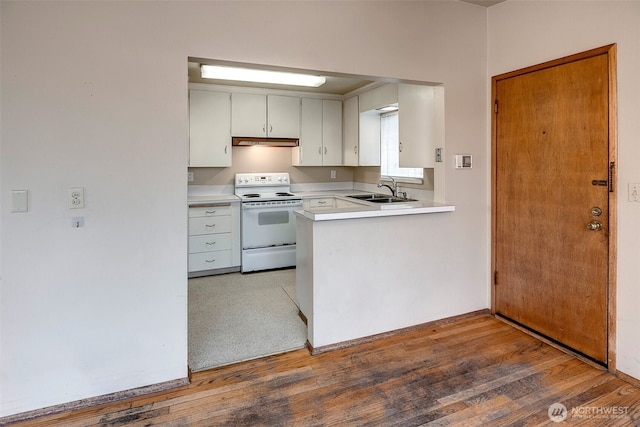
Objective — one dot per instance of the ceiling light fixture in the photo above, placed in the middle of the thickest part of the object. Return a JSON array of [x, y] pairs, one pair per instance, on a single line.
[[260, 76]]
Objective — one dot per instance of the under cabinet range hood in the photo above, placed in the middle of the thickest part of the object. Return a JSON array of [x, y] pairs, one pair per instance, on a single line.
[[264, 142]]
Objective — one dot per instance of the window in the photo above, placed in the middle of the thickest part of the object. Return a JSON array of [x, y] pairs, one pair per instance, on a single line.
[[389, 152]]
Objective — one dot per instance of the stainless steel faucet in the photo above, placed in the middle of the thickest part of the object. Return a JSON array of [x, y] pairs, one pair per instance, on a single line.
[[393, 187]]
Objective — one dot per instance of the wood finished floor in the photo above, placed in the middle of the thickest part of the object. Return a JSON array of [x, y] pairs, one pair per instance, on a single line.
[[478, 371]]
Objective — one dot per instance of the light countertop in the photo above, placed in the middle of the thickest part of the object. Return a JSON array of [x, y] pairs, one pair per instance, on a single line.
[[362, 209], [330, 193], [356, 208], [212, 198]]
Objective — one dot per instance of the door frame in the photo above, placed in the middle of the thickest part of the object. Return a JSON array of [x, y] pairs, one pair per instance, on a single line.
[[610, 51]]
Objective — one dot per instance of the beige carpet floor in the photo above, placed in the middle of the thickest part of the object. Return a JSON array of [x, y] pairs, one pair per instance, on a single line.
[[235, 317]]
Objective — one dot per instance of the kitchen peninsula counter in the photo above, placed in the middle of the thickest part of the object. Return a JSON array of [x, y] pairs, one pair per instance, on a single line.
[[364, 269], [358, 209]]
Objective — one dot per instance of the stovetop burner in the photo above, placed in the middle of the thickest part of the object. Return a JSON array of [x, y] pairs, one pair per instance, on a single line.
[[259, 187], [259, 197]]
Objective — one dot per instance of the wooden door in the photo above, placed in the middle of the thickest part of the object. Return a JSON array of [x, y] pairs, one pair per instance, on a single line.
[[552, 160]]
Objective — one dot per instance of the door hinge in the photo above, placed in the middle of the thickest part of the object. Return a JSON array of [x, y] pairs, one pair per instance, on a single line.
[[495, 107], [495, 277], [612, 166]]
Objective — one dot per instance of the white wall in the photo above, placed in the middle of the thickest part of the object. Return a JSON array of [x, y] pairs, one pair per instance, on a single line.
[[94, 94], [523, 33]]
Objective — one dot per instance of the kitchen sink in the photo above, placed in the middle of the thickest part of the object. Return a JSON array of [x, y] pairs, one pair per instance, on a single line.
[[390, 200], [380, 198]]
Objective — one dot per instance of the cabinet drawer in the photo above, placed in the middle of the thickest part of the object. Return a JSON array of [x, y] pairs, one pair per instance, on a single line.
[[209, 225], [209, 260], [209, 242], [326, 202], [223, 209]]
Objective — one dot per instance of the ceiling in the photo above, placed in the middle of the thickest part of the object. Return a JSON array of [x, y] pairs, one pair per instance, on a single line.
[[337, 84]]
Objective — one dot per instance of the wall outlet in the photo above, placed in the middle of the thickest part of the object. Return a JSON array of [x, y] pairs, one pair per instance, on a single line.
[[438, 155], [634, 192], [76, 198], [333, 174], [190, 176], [77, 221]]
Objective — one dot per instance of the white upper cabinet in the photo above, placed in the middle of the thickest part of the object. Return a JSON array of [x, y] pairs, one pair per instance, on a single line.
[[331, 133], [350, 131], [283, 114], [421, 124], [209, 130], [379, 97], [249, 115], [320, 134], [309, 152], [260, 116]]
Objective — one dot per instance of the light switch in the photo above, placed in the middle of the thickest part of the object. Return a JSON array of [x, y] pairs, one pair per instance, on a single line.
[[19, 201]]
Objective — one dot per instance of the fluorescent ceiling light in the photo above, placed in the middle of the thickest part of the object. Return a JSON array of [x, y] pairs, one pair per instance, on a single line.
[[260, 76]]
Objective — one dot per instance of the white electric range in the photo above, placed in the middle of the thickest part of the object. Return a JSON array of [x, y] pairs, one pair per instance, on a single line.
[[268, 220]]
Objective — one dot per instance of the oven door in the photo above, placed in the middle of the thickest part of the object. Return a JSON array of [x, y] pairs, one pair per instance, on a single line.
[[268, 225]]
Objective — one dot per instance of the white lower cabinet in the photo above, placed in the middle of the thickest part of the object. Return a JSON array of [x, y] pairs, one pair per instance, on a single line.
[[209, 261], [210, 225], [328, 202], [319, 202], [214, 237], [210, 242]]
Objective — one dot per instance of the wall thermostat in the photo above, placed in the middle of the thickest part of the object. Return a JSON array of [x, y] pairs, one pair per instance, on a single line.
[[464, 161]]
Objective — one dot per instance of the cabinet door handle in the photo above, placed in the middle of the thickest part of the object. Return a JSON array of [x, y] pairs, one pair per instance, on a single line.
[[225, 149], [209, 212], [320, 150], [355, 149], [270, 128], [325, 150], [210, 226], [264, 128], [210, 260], [400, 145], [210, 243]]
